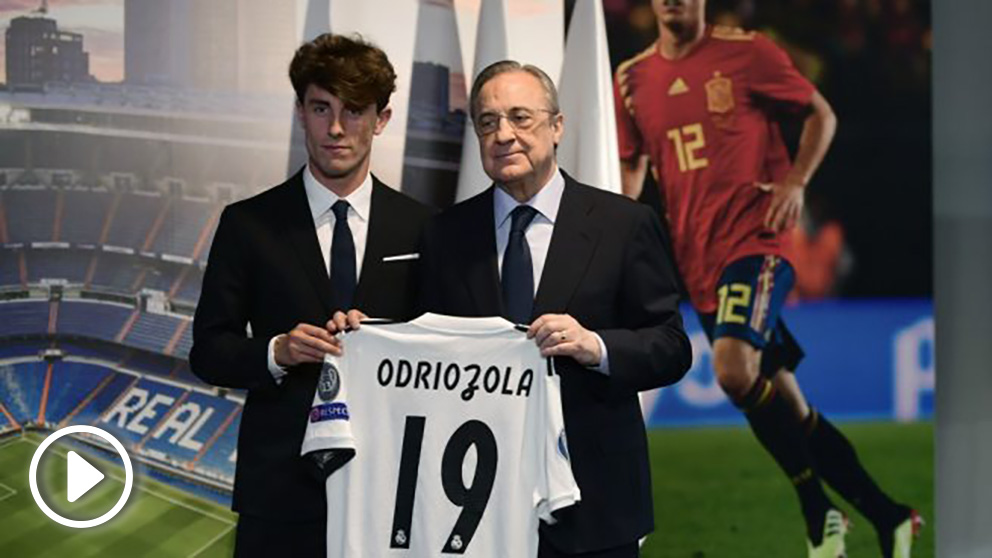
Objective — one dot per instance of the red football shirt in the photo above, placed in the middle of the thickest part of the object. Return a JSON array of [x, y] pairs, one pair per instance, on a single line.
[[706, 123]]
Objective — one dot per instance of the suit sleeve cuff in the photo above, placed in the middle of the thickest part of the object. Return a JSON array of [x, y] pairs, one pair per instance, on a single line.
[[278, 372]]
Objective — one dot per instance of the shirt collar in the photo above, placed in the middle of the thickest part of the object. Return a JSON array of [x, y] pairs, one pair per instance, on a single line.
[[546, 201], [321, 198]]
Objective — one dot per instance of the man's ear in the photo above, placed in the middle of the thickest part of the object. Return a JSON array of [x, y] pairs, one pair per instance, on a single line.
[[382, 119]]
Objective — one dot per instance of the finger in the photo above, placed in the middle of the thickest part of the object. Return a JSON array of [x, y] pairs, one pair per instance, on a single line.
[[569, 349], [764, 186], [303, 353], [320, 346], [535, 326], [769, 215], [340, 321], [313, 331], [545, 331], [355, 318]]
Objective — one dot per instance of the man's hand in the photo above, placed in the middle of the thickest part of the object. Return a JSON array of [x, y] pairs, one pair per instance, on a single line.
[[562, 335], [341, 321], [786, 206], [305, 343]]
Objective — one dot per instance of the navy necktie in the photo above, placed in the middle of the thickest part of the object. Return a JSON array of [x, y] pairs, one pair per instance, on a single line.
[[517, 279], [344, 277]]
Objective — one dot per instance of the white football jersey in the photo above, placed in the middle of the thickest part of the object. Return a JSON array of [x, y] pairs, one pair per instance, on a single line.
[[451, 436]]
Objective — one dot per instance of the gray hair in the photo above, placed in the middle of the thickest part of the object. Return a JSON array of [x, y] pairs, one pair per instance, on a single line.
[[507, 66]]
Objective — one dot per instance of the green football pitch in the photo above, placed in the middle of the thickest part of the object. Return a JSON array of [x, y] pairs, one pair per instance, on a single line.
[[717, 495]]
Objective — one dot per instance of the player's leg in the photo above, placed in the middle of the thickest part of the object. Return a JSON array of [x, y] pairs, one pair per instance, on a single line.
[[752, 291], [838, 464]]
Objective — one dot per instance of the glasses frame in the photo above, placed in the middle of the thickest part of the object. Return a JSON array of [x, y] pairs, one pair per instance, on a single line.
[[504, 116]]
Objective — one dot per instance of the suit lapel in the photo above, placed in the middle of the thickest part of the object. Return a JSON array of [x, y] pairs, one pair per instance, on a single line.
[[300, 234], [478, 251], [573, 243]]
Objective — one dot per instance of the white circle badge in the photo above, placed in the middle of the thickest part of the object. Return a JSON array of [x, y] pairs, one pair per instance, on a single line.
[[33, 476]]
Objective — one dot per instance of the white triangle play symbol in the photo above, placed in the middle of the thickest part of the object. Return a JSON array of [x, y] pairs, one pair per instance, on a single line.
[[81, 476]]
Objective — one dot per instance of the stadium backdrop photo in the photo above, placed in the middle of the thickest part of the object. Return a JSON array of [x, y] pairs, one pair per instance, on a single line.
[[126, 126]]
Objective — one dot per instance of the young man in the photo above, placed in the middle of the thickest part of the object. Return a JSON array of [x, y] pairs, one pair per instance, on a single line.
[[581, 266], [699, 106], [330, 238]]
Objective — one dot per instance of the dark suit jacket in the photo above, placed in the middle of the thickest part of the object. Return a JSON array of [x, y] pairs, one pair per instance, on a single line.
[[606, 267], [266, 270]]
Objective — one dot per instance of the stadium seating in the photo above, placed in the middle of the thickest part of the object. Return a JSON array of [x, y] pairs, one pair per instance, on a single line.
[[85, 318], [217, 462], [84, 214], [20, 389], [23, 317], [133, 220], [117, 272], [186, 440], [30, 213], [10, 268], [102, 399], [143, 406], [70, 265], [71, 383], [182, 227], [152, 331]]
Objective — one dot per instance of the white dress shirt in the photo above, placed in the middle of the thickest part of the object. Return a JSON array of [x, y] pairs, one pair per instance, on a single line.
[[321, 199], [538, 234]]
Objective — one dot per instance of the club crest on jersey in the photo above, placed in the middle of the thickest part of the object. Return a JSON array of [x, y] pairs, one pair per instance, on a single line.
[[329, 411], [329, 383], [563, 445], [719, 94]]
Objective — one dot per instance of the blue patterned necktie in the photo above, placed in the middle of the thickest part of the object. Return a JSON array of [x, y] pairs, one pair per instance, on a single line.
[[517, 279], [344, 276]]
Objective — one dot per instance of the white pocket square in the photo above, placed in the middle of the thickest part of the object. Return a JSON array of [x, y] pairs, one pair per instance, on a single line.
[[401, 257]]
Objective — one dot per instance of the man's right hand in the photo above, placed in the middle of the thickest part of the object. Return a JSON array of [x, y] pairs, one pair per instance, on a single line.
[[305, 343]]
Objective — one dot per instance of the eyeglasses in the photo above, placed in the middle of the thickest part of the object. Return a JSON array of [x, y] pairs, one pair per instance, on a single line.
[[519, 119]]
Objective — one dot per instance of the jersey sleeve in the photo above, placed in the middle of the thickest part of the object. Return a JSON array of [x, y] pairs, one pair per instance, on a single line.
[[328, 442], [557, 488], [774, 76], [628, 136]]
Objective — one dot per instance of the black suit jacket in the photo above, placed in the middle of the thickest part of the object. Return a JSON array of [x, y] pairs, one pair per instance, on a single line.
[[266, 270], [606, 266]]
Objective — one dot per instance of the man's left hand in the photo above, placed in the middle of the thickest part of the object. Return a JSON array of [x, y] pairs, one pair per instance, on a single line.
[[562, 335], [786, 206]]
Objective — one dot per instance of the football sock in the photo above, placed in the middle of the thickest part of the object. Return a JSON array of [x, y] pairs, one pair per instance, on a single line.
[[839, 466], [776, 427]]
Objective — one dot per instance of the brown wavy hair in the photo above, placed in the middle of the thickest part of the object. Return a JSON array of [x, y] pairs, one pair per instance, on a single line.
[[350, 68]]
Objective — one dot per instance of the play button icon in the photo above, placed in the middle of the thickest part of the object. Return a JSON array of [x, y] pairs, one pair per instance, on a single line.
[[80, 476]]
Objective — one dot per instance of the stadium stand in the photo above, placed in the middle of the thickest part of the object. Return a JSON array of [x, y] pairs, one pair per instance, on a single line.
[[71, 382], [182, 227], [142, 407], [23, 317], [84, 215], [152, 331], [20, 389], [189, 428], [117, 272], [162, 276], [134, 219], [189, 289], [90, 409], [10, 267], [217, 460], [30, 212], [70, 265], [94, 319]]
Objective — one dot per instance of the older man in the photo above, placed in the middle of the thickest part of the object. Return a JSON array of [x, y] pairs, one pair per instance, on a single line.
[[580, 266]]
